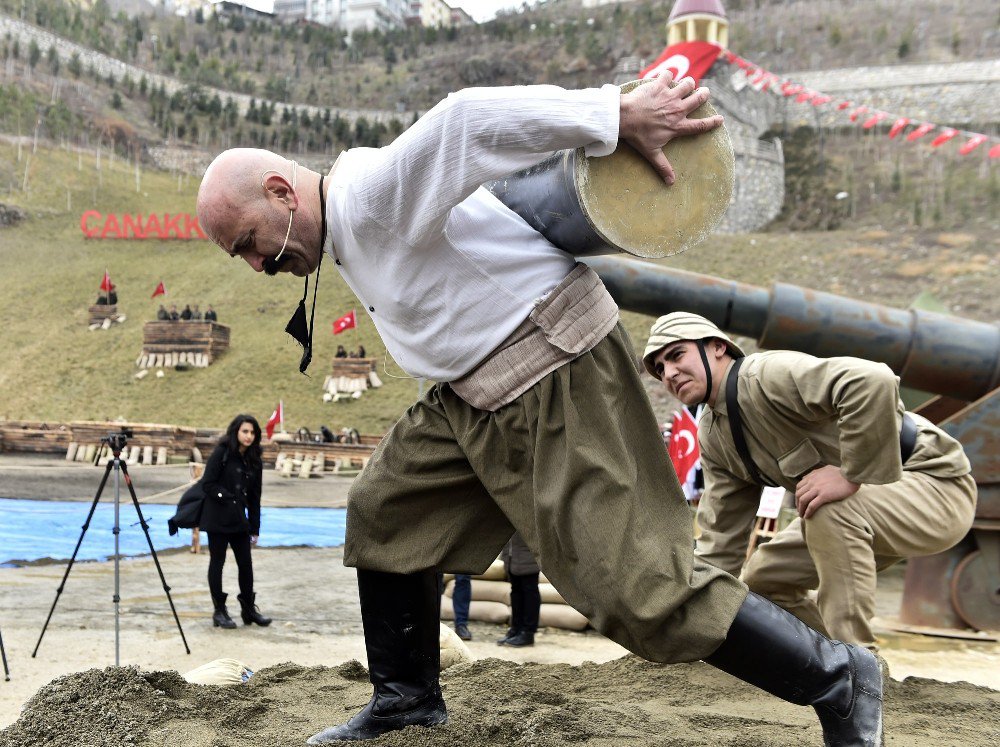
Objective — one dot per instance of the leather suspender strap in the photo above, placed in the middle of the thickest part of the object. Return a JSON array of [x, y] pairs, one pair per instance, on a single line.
[[907, 437], [736, 426]]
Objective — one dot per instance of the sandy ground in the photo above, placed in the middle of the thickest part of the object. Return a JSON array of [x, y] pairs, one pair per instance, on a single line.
[[313, 600], [546, 695]]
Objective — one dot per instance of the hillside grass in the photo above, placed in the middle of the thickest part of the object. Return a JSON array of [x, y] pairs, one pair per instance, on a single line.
[[55, 369]]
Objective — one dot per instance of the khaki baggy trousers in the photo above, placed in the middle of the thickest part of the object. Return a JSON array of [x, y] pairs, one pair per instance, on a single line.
[[576, 465], [845, 543]]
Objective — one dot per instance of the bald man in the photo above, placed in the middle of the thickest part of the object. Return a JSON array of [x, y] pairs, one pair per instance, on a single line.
[[539, 422]]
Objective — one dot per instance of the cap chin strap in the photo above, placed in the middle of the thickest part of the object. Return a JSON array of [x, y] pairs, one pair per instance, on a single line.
[[708, 371]]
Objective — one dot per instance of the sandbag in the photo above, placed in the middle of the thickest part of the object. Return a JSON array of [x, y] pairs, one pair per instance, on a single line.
[[220, 672], [491, 591], [453, 649], [549, 594], [561, 616], [494, 573], [491, 612]]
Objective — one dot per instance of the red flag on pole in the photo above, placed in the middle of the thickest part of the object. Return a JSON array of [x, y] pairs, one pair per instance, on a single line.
[[994, 152], [160, 290], [106, 284], [683, 450], [347, 321], [277, 417], [687, 59]]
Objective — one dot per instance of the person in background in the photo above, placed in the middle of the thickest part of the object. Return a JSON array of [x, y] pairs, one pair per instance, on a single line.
[[525, 600], [186, 314], [873, 484], [461, 598], [174, 316], [163, 315], [341, 352], [210, 315], [361, 351], [231, 515], [196, 313]]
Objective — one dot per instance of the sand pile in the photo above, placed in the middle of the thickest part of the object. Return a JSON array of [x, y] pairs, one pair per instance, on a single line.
[[491, 703]]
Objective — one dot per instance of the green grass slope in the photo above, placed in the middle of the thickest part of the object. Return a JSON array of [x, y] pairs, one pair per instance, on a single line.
[[54, 368]]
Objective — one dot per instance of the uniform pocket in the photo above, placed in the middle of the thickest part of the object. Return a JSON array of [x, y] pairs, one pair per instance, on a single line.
[[802, 458]]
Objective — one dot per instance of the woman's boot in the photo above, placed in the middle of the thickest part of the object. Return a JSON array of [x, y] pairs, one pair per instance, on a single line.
[[772, 649], [400, 616], [221, 618], [249, 611]]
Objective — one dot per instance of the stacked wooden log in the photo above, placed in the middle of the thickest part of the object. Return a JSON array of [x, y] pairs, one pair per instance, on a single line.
[[34, 437], [491, 601], [349, 377], [324, 457], [149, 443], [170, 344], [97, 313]]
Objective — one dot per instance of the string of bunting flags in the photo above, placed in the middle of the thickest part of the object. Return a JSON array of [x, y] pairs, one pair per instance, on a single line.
[[764, 80]]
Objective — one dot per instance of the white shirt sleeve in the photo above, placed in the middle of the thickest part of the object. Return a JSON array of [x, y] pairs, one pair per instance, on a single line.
[[471, 137]]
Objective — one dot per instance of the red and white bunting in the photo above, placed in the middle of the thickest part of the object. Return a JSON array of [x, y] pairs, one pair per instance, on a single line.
[[764, 80]]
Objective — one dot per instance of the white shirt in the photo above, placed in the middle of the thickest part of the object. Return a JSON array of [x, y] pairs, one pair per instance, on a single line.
[[444, 268]]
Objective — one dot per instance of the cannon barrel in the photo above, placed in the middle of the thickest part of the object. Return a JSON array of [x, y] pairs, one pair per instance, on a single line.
[[931, 352]]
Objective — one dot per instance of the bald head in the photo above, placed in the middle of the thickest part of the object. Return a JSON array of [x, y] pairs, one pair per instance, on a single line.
[[252, 202], [232, 183]]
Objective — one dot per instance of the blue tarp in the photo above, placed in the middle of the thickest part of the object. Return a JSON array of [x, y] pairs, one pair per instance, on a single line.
[[50, 529]]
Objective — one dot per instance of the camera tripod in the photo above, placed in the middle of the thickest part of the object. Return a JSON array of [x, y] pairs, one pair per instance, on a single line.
[[3, 655], [116, 442]]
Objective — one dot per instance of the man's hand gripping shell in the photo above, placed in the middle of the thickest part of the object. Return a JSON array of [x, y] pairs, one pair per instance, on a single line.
[[655, 113]]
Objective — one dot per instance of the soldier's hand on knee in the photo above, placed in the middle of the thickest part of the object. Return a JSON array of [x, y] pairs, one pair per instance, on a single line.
[[823, 485]]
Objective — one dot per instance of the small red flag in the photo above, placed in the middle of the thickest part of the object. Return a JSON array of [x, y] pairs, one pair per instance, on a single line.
[[347, 321], [944, 137], [278, 416], [858, 112], [994, 152], [920, 131], [106, 284], [844, 104], [160, 290], [973, 142], [820, 100], [683, 450], [879, 116], [898, 126]]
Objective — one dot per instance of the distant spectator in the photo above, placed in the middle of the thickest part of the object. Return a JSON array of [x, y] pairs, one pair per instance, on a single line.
[[174, 316], [186, 314], [109, 298], [341, 352], [210, 315], [163, 315], [361, 351], [196, 313], [525, 599]]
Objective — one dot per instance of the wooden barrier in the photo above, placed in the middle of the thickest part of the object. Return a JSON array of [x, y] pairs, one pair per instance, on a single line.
[[175, 343], [99, 312], [34, 437], [354, 456]]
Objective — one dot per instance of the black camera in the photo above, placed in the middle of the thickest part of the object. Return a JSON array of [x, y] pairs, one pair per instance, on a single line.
[[118, 440]]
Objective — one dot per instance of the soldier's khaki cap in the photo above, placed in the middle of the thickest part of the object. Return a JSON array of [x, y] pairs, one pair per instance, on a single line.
[[682, 325]]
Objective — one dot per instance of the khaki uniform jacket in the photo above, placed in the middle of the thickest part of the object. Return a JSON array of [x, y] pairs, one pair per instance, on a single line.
[[801, 412]]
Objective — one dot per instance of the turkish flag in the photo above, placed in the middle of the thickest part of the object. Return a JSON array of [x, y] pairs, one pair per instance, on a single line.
[[920, 131], [687, 59], [974, 142], [347, 321], [106, 284], [683, 449], [160, 290], [278, 416], [947, 134]]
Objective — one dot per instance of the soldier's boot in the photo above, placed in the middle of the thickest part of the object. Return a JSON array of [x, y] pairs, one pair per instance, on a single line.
[[402, 635], [772, 649], [220, 617]]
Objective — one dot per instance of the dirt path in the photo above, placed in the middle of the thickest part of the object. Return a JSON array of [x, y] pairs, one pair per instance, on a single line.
[[550, 701]]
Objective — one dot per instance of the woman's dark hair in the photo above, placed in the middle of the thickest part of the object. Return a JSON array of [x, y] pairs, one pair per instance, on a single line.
[[231, 441]]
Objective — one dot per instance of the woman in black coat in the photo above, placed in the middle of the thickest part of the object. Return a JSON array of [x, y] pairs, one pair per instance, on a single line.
[[231, 515]]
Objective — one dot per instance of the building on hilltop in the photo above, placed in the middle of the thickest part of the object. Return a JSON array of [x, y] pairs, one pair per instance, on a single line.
[[251, 9], [436, 14], [760, 164]]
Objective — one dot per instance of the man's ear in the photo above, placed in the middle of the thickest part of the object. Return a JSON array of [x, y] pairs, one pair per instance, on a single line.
[[277, 185], [718, 347]]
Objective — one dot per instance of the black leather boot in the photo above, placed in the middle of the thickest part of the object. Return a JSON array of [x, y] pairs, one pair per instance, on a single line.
[[221, 618], [520, 639], [772, 649], [249, 611], [400, 617], [511, 632]]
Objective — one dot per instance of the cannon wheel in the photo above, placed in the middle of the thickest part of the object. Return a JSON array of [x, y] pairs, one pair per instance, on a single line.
[[975, 592]]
